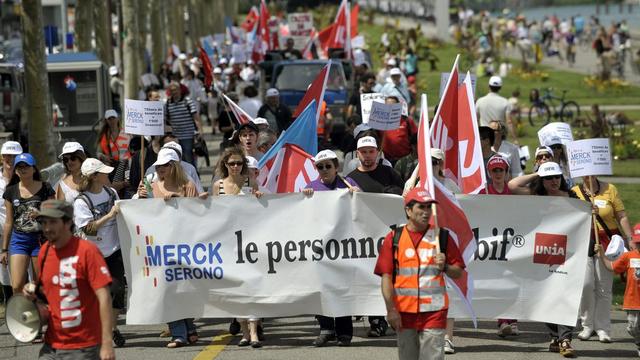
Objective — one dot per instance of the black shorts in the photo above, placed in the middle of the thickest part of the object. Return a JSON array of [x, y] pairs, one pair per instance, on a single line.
[[118, 282]]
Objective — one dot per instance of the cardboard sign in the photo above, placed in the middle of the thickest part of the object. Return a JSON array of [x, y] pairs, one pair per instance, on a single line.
[[300, 27], [143, 117], [366, 101], [589, 157], [239, 53], [444, 77], [385, 116], [555, 129]]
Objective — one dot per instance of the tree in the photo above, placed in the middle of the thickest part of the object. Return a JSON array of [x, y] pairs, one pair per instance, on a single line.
[[130, 47], [158, 44], [37, 102], [84, 24], [104, 45]]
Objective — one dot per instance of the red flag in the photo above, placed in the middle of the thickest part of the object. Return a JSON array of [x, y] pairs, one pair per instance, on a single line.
[[250, 21], [340, 37], [444, 129], [314, 92], [207, 68], [261, 40], [241, 116], [291, 171], [354, 20], [425, 168], [324, 37]]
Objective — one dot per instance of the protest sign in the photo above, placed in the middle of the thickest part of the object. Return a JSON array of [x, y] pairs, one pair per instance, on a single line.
[[143, 117], [555, 130], [316, 255], [366, 101], [239, 53], [385, 116], [300, 27], [589, 157], [444, 77]]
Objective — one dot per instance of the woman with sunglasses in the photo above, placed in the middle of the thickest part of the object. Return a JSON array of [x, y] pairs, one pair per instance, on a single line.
[[326, 161], [526, 184], [72, 158], [560, 157], [22, 234]]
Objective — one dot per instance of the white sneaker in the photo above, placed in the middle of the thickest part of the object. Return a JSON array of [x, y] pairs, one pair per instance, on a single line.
[[585, 334], [603, 337], [505, 329], [514, 329], [448, 347]]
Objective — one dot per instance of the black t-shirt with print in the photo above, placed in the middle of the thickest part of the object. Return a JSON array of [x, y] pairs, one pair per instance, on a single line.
[[23, 207], [381, 180]]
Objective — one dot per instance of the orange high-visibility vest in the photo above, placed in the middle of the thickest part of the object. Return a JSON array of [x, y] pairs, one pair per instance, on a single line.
[[419, 285], [321, 118], [117, 150]]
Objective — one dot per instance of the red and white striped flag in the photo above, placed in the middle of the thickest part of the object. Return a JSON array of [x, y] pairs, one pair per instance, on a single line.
[[261, 39], [314, 92], [241, 116], [291, 170]]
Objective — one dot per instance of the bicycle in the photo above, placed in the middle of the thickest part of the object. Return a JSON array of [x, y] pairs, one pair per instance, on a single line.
[[544, 107]]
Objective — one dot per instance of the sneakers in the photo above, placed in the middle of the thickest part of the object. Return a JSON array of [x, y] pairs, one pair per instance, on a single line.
[[323, 339], [378, 328], [603, 337], [514, 329], [448, 347], [566, 350], [505, 329], [118, 339], [554, 346], [585, 334], [344, 340]]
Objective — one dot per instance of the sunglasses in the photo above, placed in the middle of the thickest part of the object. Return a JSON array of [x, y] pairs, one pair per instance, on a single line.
[[435, 162], [556, 147], [66, 159], [235, 163], [552, 177], [498, 170], [323, 167], [543, 156]]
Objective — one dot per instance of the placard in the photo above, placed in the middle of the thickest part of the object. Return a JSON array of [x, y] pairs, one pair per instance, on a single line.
[[300, 27], [143, 117], [589, 157], [555, 129], [385, 116], [366, 101], [444, 77]]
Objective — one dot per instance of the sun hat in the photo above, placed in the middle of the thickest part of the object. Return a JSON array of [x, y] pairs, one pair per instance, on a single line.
[[367, 141], [11, 148], [70, 147], [549, 169], [92, 166], [325, 155], [420, 195], [165, 155]]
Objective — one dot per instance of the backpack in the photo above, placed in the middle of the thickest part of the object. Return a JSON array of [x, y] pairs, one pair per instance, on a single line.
[[97, 214], [397, 232]]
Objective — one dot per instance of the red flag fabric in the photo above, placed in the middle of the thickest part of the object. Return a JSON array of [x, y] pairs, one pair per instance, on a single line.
[[314, 92], [324, 36], [354, 20], [250, 21], [291, 170], [444, 130], [261, 41], [472, 170], [207, 68], [241, 116], [340, 37]]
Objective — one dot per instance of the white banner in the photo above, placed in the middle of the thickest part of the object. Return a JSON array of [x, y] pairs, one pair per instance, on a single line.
[[385, 116], [589, 157], [143, 117], [366, 101], [555, 129], [285, 255]]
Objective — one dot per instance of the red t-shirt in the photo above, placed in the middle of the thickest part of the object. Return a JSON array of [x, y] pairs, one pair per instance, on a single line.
[[70, 277], [630, 262], [384, 265], [490, 190], [396, 143]]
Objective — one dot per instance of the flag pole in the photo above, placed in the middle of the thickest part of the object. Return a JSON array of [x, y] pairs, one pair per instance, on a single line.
[[593, 216]]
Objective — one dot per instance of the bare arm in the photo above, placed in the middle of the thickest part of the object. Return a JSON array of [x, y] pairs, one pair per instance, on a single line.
[[106, 316], [8, 224], [215, 188], [512, 128], [520, 185], [393, 316], [59, 192], [599, 250], [623, 220], [196, 119], [92, 227]]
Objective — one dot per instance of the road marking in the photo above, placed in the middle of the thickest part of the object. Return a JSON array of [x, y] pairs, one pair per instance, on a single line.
[[218, 343]]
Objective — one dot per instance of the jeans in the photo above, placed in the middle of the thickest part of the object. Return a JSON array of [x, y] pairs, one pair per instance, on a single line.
[[340, 326], [49, 353], [180, 329], [560, 332], [633, 325], [187, 151]]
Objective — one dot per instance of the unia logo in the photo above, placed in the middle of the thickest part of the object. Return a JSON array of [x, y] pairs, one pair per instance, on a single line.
[[550, 249]]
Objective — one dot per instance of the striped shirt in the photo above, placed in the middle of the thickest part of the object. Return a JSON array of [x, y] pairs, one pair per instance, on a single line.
[[180, 115]]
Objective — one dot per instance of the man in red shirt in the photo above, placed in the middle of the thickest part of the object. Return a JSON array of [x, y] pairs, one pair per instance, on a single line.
[[75, 280], [412, 264]]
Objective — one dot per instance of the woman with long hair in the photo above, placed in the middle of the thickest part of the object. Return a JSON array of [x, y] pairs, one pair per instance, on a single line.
[[72, 157], [22, 234]]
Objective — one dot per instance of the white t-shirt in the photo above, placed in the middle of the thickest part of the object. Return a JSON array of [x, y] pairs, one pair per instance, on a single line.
[[69, 194], [492, 107], [107, 237]]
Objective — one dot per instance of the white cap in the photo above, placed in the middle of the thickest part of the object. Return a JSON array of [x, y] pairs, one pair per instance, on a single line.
[[367, 141], [495, 81], [92, 166], [232, 61], [182, 56], [437, 153], [71, 147], [113, 70], [360, 128], [553, 140], [173, 145], [228, 71], [249, 62], [222, 61], [395, 71], [260, 121], [273, 92], [193, 60], [324, 155], [542, 149], [252, 163], [165, 155], [392, 62], [110, 113], [549, 169], [616, 248], [217, 70], [11, 148]]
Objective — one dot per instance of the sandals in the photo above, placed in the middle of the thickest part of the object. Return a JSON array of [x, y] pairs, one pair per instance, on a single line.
[[176, 343]]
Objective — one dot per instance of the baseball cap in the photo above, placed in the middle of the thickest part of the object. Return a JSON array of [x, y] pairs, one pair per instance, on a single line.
[[92, 166], [228, 71], [635, 236], [437, 153], [553, 140], [497, 161], [11, 148], [70, 147], [260, 121], [113, 70], [360, 128], [252, 163], [495, 81], [273, 92], [217, 70], [165, 155], [182, 56], [173, 145], [392, 62], [420, 195], [367, 141], [395, 71], [110, 113], [324, 155], [55, 209], [222, 61], [549, 169], [25, 158], [615, 248], [542, 149]]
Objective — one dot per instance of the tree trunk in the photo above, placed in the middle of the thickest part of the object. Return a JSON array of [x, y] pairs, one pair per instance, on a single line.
[[130, 48], [36, 80], [170, 18], [104, 46], [143, 17], [217, 12], [157, 43], [178, 16], [84, 24]]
